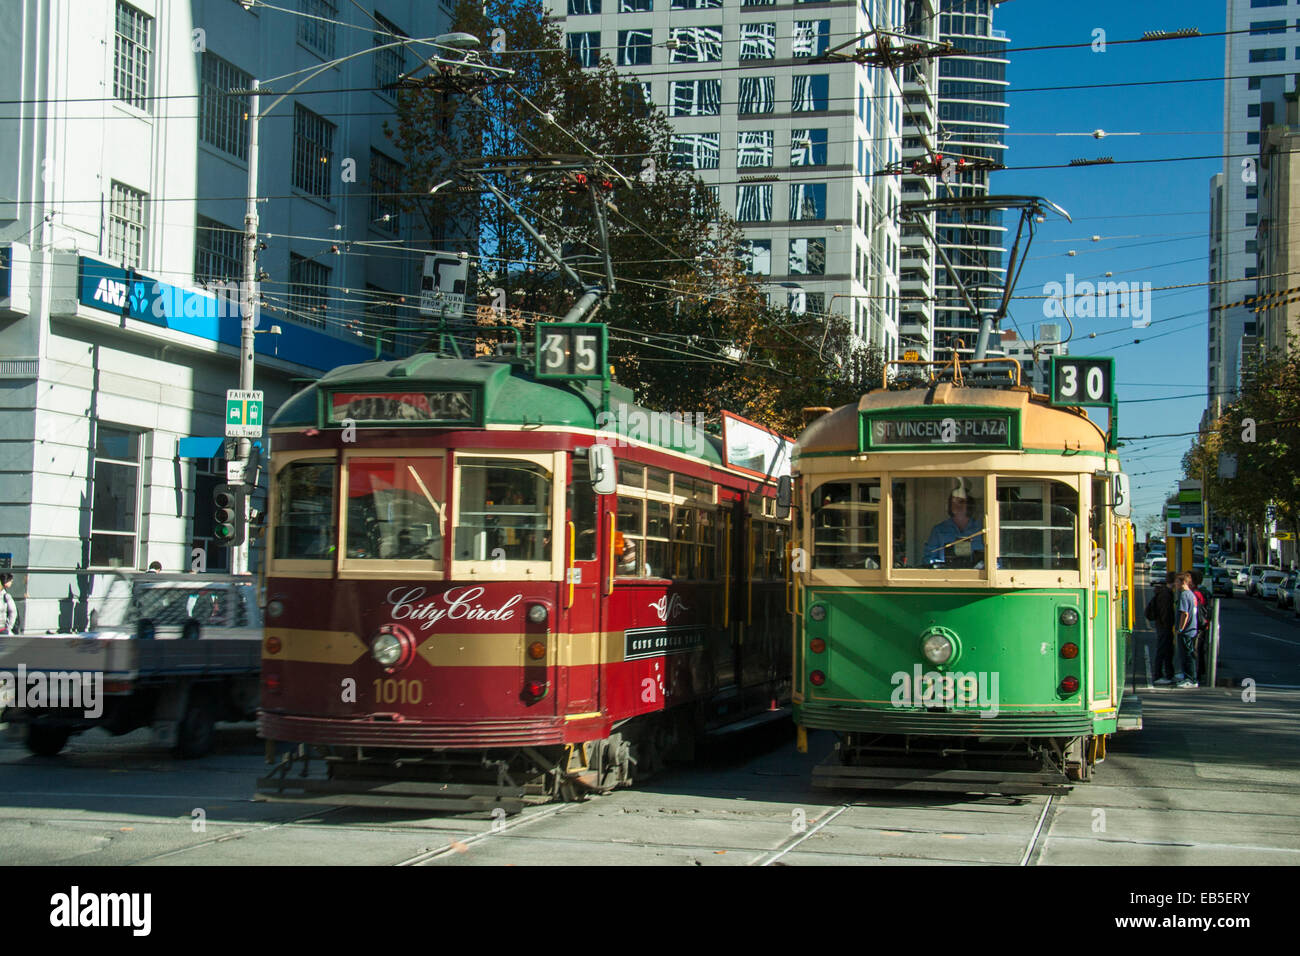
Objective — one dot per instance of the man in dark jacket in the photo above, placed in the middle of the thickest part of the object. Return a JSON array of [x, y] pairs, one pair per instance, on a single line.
[[1160, 612]]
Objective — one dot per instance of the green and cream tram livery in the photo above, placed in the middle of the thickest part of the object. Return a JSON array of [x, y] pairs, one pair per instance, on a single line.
[[964, 602]]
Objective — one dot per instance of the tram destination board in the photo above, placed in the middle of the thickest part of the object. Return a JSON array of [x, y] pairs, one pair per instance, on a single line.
[[459, 406], [1080, 380], [572, 350], [952, 427]]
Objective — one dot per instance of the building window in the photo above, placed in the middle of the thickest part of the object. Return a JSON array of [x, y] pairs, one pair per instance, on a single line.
[[1252, 192], [208, 474], [811, 37], [757, 3], [1268, 55], [385, 187], [1256, 4], [1252, 83], [695, 150], [126, 226], [756, 94], [585, 48], [1252, 109], [757, 41], [807, 147], [754, 203], [810, 93], [808, 201], [756, 254], [114, 519], [1264, 27], [132, 43], [695, 97], [390, 63], [316, 25], [1252, 139], [218, 252], [695, 44], [704, 203], [582, 8], [308, 290], [635, 6], [1252, 219], [223, 119], [1251, 272], [808, 257], [695, 4], [634, 47], [313, 152], [1252, 246], [755, 148]]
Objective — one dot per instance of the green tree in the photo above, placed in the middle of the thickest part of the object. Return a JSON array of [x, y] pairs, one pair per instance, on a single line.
[[689, 329]]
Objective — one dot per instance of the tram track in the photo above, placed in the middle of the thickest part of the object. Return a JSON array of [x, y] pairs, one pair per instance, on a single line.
[[1033, 851]]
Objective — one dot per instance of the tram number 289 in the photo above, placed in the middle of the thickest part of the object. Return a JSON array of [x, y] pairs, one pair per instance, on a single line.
[[1082, 381]]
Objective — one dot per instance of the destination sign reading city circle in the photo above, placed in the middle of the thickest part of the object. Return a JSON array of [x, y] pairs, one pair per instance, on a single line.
[[955, 430], [244, 413]]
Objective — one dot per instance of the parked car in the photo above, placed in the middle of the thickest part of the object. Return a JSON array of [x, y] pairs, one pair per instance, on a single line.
[[1233, 565], [1221, 582], [1156, 569], [1285, 590], [1268, 584], [1254, 574]]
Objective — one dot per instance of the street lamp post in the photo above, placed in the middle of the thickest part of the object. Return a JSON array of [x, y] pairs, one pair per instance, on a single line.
[[252, 298]]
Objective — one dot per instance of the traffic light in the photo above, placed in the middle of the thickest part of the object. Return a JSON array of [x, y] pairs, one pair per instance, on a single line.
[[228, 519]]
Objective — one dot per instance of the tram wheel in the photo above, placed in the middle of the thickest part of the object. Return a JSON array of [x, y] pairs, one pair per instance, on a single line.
[[1079, 758]]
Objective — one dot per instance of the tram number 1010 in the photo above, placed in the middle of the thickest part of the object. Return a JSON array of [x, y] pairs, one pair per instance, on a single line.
[[390, 691], [1082, 381]]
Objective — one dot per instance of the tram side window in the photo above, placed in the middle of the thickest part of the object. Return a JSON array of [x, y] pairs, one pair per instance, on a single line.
[[582, 506], [939, 522], [1037, 522], [846, 525], [304, 514], [505, 510], [395, 508], [1098, 524]]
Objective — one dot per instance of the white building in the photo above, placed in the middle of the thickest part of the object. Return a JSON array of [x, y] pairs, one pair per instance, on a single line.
[[123, 167], [1261, 60], [1035, 357], [790, 145]]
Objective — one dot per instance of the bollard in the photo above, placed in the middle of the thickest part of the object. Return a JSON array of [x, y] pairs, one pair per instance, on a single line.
[[1213, 659]]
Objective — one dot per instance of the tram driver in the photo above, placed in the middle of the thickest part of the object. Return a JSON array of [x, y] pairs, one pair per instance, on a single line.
[[958, 541]]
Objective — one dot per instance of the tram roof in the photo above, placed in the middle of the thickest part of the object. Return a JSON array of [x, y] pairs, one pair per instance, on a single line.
[[1042, 426], [510, 396]]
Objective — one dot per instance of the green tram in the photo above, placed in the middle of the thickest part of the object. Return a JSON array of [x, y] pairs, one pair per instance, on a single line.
[[964, 603]]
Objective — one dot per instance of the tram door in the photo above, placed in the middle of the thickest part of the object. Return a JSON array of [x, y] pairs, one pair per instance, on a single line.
[[1101, 605], [580, 595]]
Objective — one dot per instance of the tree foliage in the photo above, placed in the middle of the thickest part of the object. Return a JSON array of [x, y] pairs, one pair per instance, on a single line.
[[689, 328]]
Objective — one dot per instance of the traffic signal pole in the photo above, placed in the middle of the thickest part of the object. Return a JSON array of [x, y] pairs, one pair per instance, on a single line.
[[248, 312]]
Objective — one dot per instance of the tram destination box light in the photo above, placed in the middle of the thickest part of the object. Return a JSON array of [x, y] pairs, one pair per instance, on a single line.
[[228, 516]]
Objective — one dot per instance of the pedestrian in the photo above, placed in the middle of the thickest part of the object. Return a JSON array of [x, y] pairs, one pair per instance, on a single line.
[[155, 567], [1202, 621], [8, 606], [1160, 612], [1185, 626]]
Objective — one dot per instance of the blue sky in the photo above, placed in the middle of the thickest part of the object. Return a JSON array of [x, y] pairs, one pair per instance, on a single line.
[[1152, 220]]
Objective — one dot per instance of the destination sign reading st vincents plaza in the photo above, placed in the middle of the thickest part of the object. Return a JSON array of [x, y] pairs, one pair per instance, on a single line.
[[941, 429]]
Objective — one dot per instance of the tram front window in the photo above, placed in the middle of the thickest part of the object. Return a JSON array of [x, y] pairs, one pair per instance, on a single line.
[[395, 508], [939, 522], [1037, 525], [846, 524], [504, 510], [304, 511]]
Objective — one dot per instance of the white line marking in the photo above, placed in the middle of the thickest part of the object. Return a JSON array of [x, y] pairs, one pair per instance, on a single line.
[[821, 823], [1029, 850], [1269, 637]]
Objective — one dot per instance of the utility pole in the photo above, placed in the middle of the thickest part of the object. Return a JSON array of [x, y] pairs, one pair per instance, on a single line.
[[248, 310]]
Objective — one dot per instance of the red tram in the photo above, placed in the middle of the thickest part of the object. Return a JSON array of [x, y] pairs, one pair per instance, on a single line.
[[485, 587]]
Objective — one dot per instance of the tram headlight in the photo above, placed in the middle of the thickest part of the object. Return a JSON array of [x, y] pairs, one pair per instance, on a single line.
[[386, 649], [817, 612], [274, 608], [1069, 616], [937, 649], [537, 613]]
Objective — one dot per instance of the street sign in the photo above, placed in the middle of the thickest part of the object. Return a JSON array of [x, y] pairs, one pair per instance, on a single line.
[[911, 355], [442, 287], [235, 472], [243, 413], [1285, 535]]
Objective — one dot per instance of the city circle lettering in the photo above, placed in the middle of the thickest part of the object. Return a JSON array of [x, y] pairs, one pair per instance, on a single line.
[[939, 431], [456, 605], [415, 406]]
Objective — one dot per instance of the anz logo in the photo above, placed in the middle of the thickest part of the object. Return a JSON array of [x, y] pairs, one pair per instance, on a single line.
[[111, 293]]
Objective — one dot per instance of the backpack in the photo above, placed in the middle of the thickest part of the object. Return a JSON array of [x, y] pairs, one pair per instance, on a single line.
[[1202, 610]]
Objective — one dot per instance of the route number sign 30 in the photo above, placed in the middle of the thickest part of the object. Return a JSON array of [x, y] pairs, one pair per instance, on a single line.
[[1078, 380]]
